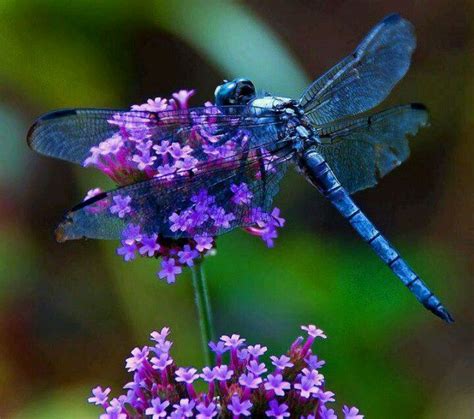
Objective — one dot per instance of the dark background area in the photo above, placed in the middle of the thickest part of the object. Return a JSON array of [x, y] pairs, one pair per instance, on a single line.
[[70, 314]]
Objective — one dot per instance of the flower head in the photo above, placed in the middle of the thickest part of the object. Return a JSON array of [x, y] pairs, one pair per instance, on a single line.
[[160, 388], [141, 147]]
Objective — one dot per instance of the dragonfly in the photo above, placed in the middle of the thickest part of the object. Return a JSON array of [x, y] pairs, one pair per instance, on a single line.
[[248, 140]]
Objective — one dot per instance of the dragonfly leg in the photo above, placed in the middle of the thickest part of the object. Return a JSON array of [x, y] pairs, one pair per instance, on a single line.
[[322, 177]]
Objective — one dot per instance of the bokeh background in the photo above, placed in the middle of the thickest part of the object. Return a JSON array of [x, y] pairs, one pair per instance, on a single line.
[[70, 314]]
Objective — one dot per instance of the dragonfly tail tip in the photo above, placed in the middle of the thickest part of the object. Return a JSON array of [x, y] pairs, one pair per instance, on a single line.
[[444, 314]]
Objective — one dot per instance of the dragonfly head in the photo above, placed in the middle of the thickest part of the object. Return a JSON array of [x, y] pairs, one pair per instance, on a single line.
[[235, 92]]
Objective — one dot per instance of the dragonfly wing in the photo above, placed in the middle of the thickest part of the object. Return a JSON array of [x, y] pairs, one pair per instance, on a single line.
[[153, 201], [70, 134], [364, 78], [362, 150]]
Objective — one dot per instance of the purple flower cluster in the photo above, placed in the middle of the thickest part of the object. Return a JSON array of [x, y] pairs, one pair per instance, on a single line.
[[144, 147], [238, 385]]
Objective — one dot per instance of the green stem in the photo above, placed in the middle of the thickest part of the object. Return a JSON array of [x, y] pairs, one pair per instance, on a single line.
[[201, 294]]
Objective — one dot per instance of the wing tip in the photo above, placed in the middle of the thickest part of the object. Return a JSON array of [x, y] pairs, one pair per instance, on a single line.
[[30, 134], [424, 110], [419, 106], [46, 117], [392, 18]]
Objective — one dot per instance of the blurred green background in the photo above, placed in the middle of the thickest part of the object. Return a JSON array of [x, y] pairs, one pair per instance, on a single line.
[[70, 314]]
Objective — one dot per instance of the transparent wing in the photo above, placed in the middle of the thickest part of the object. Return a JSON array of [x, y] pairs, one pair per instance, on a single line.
[[360, 151], [153, 201], [70, 134], [364, 78]]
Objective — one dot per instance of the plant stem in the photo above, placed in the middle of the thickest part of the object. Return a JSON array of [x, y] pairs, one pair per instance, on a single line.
[[201, 294]]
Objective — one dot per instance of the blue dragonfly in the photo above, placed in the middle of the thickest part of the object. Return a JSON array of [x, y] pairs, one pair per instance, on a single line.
[[247, 139]]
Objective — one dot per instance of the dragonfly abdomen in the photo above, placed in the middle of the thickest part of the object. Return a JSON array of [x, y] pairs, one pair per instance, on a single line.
[[323, 178]]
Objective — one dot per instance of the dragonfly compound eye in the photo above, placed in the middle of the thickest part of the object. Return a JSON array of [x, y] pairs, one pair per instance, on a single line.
[[235, 92]]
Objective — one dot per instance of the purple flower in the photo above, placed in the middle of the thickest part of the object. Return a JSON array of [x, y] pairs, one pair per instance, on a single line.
[[255, 368], [152, 105], [306, 387], [144, 160], [282, 362], [144, 146], [233, 389], [166, 171], [218, 348], [186, 375], [178, 222], [160, 336], [203, 242], [314, 363], [131, 234], [127, 251], [208, 374], [132, 154], [163, 347], [114, 411], [238, 407], [178, 152], [257, 350], [276, 384], [249, 380], [313, 375], [351, 413], [222, 373], [149, 245], [268, 235], [313, 331], [111, 146], [277, 410], [221, 218], [184, 408], [100, 396], [169, 270], [182, 97], [242, 194], [206, 412], [187, 255], [161, 362], [121, 207], [327, 413], [277, 220], [197, 216], [158, 408], [137, 358], [163, 148], [233, 341], [325, 396], [243, 354]]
